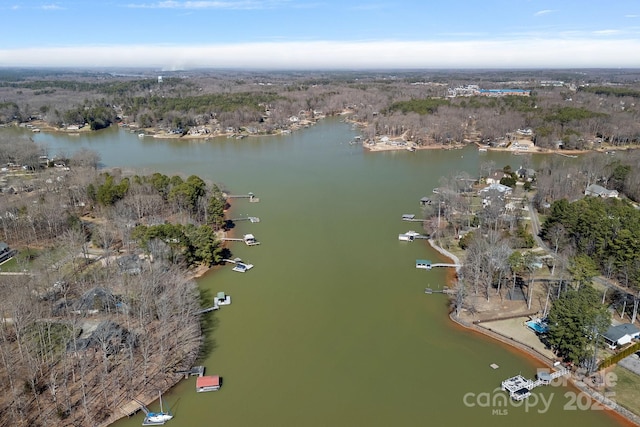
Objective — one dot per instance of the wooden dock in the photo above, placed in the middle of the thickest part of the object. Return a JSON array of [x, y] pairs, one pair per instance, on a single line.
[[253, 219], [196, 371], [446, 265], [248, 239], [446, 291], [208, 309], [411, 218], [252, 198]]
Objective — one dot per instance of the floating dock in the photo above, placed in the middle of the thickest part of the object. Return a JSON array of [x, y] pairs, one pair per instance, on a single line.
[[519, 387]]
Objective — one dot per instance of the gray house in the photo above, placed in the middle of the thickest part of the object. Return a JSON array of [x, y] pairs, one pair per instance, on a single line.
[[596, 190], [621, 334]]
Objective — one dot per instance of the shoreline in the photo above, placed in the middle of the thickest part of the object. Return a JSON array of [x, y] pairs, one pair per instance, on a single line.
[[375, 147], [622, 414]]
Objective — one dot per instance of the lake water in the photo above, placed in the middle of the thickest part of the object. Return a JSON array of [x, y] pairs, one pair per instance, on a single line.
[[332, 326]]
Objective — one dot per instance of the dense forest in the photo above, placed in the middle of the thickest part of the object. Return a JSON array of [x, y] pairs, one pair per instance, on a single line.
[[602, 232]]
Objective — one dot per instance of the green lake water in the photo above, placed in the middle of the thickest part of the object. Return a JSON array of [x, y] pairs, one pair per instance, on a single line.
[[332, 326]]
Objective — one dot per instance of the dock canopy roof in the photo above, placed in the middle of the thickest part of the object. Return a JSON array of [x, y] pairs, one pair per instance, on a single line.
[[208, 381]]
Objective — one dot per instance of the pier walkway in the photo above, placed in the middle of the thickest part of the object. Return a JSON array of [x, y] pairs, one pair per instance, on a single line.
[[249, 218], [252, 198], [428, 265], [248, 239], [196, 371]]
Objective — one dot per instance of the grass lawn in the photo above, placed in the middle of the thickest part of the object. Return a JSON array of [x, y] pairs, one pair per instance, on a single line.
[[10, 265], [627, 389]]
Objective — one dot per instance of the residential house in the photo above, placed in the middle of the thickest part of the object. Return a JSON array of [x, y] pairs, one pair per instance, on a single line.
[[596, 190], [526, 173], [495, 177], [621, 335], [502, 189]]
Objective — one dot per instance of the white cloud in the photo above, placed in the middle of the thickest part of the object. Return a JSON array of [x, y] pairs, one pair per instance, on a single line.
[[344, 55], [543, 12], [606, 32], [632, 16], [51, 7]]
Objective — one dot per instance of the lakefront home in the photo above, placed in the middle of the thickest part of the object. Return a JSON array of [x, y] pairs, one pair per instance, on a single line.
[[621, 335], [596, 190]]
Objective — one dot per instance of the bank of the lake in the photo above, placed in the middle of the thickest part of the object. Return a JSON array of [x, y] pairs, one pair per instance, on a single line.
[[332, 325]]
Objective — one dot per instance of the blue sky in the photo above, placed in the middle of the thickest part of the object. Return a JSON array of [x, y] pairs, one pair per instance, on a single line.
[[320, 34]]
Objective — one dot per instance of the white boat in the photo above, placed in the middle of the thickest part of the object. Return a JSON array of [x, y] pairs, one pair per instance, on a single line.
[[141, 135], [241, 267], [156, 418]]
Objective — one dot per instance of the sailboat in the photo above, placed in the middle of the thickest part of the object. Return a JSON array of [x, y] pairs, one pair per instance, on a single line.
[[156, 418]]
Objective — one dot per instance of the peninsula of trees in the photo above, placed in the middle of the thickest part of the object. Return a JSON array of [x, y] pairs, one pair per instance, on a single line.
[[99, 306]]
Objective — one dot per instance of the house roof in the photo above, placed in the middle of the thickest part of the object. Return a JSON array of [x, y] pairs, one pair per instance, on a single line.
[[208, 381], [599, 190], [499, 187], [614, 333]]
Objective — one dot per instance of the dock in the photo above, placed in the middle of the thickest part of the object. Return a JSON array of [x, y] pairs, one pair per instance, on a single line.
[[208, 309], [196, 371], [240, 266], [519, 387], [248, 239], [427, 265], [411, 218], [446, 291], [410, 236], [252, 219], [252, 198]]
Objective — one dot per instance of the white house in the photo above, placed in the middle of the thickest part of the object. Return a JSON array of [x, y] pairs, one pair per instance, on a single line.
[[599, 191], [502, 189], [621, 335]]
